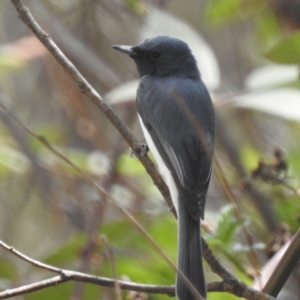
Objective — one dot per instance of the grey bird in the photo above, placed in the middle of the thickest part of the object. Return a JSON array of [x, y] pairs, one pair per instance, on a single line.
[[178, 122]]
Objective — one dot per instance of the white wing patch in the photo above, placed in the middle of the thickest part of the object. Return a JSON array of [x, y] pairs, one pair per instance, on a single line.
[[163, 170]]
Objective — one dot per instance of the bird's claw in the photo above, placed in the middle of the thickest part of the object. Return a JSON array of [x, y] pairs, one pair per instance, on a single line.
[[171, 208], [141, 152]]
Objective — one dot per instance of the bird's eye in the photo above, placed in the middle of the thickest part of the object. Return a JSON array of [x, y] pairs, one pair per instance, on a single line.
[[155, 55]]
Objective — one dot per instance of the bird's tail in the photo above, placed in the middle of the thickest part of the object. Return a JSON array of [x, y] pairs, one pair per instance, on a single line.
[[189, 255]]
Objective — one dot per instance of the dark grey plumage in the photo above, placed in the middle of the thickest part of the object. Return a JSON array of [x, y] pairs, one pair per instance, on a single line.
[[168, 70]]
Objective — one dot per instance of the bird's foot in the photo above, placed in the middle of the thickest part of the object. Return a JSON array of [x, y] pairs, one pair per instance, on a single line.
[[171, 208], [140, 152]]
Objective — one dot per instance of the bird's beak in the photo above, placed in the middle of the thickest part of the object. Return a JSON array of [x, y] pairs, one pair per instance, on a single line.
[[125, 49]]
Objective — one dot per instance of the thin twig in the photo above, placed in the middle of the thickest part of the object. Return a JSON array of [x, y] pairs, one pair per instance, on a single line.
[[239, 289], [95, 222], [215, 264], [114, 269], [28, 259]]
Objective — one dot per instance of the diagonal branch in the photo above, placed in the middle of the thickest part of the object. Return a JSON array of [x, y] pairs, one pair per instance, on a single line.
[[85, 88], [284, 267], [215, 264], [238, 289], [36, 263]]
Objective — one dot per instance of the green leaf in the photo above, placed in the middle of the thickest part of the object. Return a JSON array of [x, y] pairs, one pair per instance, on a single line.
[[249, 156], [12, 160], [75, 155], [165, 233], [129, 166], [9, 63], [218, 247], [67, 252], [223, 240], [52, 132], [287, 51], [288, 211], [7, 269], [221, 296], [138, 6], [227, 225], [268, 30], [135, 255], [219, 12], [60, 292], [293, 158]]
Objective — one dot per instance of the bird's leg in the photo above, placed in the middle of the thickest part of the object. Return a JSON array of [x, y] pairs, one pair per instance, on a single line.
[[140, 152]]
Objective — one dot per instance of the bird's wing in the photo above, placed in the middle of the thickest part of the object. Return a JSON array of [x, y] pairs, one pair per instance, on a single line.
[[175, 137]]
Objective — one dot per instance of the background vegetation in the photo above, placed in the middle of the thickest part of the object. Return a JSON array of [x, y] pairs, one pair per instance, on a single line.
[[248, 53]]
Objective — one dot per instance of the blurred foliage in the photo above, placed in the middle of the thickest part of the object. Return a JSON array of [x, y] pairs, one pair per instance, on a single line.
[[221, 13], [10, 63], [249, 155], [267, 30], [288, 209], [287, 51], [48, 211], [222, 238], [7, 271], [128, 166], [132, 253], [137, 5], [67, 252]]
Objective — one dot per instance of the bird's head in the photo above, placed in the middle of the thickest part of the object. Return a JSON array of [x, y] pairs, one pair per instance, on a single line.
[[162, 56]]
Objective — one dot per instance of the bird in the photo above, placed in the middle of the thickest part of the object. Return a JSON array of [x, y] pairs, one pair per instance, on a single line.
[[178, 122]]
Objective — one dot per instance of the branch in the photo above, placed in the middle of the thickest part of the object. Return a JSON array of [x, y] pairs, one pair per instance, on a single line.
[[215, 264], [76, 276], [238, 289], [85, 88], [235, 287], [35, 263], [284, 267], [67, 275]]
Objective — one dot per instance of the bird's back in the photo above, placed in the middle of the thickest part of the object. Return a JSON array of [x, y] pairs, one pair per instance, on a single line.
[[186, 152]]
